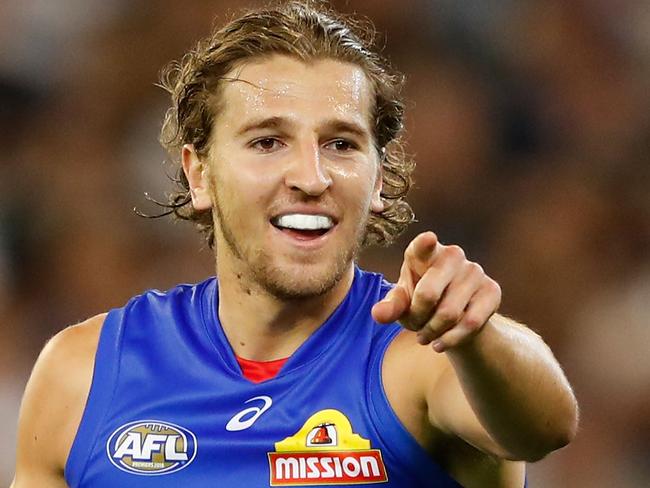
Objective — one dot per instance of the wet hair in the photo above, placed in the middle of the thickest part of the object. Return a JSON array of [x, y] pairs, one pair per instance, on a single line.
[[305, 30]]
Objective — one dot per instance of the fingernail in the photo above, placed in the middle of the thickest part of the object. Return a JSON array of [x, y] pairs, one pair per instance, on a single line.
[[438, 346]]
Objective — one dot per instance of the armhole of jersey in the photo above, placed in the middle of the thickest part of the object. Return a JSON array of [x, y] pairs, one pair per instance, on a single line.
[[390, 428], [106, 367]]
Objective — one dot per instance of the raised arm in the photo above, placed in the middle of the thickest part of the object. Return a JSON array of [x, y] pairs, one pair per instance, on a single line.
[[53, 403], [499, 387]]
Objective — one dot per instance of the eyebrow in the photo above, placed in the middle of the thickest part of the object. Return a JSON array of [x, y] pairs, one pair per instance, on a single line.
[[335, 125], [264, 123]]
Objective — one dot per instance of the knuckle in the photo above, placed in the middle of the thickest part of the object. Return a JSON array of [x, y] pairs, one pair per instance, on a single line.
[[448, 315], [455, 252], [476, 268], [473, 322], [428, 297], [493, 287]]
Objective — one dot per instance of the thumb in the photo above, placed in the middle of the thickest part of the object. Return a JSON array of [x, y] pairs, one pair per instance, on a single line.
[[395, 304]]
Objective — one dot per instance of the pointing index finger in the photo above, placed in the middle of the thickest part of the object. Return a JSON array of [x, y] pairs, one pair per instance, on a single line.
[[420, 251]]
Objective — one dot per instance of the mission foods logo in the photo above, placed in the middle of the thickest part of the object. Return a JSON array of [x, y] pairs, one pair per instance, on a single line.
[[325, 451], [151, 447]]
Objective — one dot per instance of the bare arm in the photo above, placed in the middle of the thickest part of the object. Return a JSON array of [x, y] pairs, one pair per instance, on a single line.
[[507, 377], [53, 404], [498, 386]]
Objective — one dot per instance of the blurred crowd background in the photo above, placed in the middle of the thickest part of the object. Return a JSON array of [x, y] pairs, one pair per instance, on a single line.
[[530, 124]]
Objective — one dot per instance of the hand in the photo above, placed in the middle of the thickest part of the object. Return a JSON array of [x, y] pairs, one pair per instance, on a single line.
[[440, 294]]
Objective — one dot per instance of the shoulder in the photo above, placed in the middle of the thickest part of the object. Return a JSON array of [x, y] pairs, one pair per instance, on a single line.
[[68, 357], [405, 356], [409, 372], [76, 343], [55, 397]]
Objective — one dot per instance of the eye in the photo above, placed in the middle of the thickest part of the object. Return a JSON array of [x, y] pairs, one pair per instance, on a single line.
[[342, 145], [266, 144]]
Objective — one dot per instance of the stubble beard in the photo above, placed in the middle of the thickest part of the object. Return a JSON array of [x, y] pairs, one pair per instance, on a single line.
[[261, 270]]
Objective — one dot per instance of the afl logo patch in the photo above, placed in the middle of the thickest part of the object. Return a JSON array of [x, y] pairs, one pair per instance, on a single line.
[[151, 447]]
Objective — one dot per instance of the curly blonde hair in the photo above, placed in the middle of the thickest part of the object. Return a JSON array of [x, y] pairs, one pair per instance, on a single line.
[[306, 30]]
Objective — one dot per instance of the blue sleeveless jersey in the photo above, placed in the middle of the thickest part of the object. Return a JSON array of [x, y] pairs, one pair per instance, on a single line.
[[169, 407]]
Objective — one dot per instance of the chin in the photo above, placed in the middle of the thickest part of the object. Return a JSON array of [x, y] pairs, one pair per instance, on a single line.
[[301, 280]]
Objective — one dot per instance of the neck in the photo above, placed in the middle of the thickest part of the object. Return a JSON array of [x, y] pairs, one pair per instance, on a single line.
[[263, 327]]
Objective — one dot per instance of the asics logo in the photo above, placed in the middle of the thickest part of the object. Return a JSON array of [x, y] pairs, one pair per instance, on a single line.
[[247, 417]]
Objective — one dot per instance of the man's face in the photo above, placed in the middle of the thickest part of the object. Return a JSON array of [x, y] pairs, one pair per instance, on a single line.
[[292, 173]]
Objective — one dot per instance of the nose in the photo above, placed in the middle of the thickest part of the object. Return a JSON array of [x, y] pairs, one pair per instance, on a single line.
[[305, 172]]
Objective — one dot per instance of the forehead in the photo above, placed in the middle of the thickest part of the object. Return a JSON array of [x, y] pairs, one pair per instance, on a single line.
[[283, 86]]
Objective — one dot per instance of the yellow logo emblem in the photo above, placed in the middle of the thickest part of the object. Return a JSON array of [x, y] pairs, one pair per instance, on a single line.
[[325, 451]]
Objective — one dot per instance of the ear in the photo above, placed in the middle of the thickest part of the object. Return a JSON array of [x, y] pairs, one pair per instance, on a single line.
[[376, 203], [196, 173]]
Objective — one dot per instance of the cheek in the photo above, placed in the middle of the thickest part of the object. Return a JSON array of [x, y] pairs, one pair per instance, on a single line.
[[243, 181], [242, 194], [362, 175], [345, 173], [356, 186]]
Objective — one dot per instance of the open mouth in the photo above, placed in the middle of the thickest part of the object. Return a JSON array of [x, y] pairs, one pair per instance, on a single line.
[[303, 226]]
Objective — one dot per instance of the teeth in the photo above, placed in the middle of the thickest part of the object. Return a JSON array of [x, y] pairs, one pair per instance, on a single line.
[[304, 222]]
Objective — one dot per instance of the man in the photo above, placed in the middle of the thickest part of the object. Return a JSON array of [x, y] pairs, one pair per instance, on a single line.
[[294, 367]]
